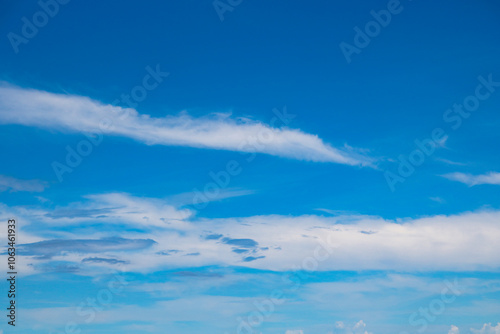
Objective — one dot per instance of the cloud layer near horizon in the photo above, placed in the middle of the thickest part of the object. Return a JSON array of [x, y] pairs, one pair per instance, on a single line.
[[73, 113], [466, 241]]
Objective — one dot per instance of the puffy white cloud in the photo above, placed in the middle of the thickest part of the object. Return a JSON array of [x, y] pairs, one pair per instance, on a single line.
[[473, 180], [357, 328], [217, 131], [487, 329], [294, 331], [339, 324]]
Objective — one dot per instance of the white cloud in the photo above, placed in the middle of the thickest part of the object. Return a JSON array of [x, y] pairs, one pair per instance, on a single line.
[[450, 162], [358, 328], [437, 199], [13, 184], [197, 198], [294, 331], [118, 208], [465, 241], [487, 329], [81, 114], [454, 330], [339, 324], [473, 180]]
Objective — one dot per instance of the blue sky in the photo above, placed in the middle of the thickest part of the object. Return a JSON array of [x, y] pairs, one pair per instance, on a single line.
[[228, 167]]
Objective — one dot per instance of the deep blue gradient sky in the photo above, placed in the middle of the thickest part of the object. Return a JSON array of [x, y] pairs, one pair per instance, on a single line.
[[263, 56]]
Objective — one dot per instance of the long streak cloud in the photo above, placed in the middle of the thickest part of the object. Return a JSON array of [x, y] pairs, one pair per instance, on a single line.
[[72, 113]]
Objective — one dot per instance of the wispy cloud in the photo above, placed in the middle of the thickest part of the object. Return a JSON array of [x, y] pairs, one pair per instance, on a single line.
[[49, 248], [103, 260], [185, 293], [217, 131], [451, 162], [437, 199], [473, 180], [189, 198], [13, 184], [118, 208]]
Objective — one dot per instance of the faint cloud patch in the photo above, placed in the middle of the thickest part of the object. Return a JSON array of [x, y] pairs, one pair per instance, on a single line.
[[473, 180], [487, 329], [103, 260], [48, 248], [451, 162], [358, 328], [12, 184], [437, 199], [57, 267]]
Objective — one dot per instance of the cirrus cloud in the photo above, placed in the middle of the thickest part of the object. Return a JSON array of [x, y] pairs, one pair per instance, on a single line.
[[473, 180], [71, 113], [13, 184]]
